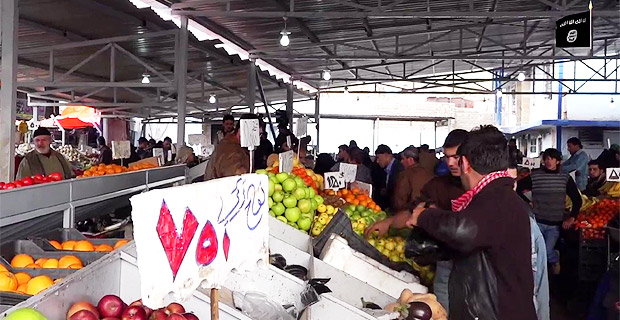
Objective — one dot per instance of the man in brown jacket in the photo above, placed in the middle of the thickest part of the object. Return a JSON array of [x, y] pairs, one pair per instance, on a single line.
[[229, 158], [410, 181]]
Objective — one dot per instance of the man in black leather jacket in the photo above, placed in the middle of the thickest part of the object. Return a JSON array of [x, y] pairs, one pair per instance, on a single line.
[[490, 231]]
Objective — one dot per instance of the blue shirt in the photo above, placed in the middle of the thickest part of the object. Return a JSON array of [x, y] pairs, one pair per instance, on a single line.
[[539, 268], [388, 169], [578, 162]]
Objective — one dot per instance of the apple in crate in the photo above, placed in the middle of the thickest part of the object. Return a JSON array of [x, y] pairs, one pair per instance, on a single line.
[[111, 306], [82, 305], [159, 314], [139, 303], [190, 316], [176, 316], [134, 313], [83, 315], [175, 308]]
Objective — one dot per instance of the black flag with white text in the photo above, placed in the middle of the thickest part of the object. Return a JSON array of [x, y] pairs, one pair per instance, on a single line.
[[574, 31]]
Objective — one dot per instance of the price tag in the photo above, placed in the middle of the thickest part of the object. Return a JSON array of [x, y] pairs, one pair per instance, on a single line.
[[196, 234], [286, 161], [250, 134], [364, 187], [159, 154], [169, 156], [349, 171], [531, 163], [613, 174], [33, 124], [121, 149], [302, 126], [334, 180]]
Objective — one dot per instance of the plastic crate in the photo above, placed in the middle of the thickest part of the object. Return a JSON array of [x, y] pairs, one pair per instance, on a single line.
[[586, 240], [588, 272], [64, 234]]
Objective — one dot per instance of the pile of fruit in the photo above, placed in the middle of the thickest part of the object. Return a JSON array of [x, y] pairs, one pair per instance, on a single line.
[[29, 181], [86, 246], [291, 200], [355, 197], [23, 283], [391, 246], [103, 170], [311, 179], [111, 307], [594, 218], [334, 201], [362, 217], [324, 216], [23, 260], [75, 156]]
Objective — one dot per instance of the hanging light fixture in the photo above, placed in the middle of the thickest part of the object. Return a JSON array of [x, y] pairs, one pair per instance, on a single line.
[[145, 78], [212, 98], [284, 36], [327, 75], [521, 77]]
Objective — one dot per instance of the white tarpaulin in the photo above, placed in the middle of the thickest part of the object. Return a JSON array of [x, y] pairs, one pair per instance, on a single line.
[[198, 233]]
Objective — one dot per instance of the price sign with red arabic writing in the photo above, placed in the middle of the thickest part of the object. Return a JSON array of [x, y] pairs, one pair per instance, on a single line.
[[196, 234]]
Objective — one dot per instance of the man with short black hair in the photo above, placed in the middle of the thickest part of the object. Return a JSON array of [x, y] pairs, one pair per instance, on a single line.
[[385, 159], [229, 158], [577, 162], [489, 228], [343, 154], [43, 159], [549, 190], [228, 126], [596, 179], [143, 148], [105, 153]]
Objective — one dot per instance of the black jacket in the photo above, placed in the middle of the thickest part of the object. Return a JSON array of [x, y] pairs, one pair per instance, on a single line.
[[492, 274]]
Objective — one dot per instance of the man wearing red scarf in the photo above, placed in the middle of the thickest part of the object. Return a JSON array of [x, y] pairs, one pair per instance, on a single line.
[[492, 274]]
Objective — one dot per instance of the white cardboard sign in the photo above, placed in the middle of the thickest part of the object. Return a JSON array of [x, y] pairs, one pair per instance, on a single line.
[[349, 171], [121, 149], [196, 234], [302, 126], [250, 135], [286, 161], [531, 163], [334, 180], [613, 174], [159, 153], [363, 186]]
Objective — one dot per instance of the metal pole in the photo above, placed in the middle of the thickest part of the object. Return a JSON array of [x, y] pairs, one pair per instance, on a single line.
[[289, 105], [264, 99], [8, 92], [317, 118], [251, 96], [180, 71]]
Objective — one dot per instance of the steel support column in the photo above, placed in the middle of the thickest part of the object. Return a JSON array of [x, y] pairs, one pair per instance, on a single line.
[[289, 105], [317, 118], [180, 71], [8, 92], [251, 96]]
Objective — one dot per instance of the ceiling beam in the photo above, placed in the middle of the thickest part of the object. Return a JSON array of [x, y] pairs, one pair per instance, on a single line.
[[31, 23]]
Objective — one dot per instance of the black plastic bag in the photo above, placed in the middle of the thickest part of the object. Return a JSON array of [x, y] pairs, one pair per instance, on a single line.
[[423, 249]]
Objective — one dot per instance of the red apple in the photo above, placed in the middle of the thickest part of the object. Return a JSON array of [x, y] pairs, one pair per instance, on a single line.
[[136, 303], [190, 316], [108, 318], [134, 313], [158, 315], [83, 315], [82, 305], [110, 306], [139, 303], [175, 308], [176, 316]]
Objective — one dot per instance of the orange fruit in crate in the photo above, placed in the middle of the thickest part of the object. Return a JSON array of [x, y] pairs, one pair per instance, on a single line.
[[22, 288], [22, 278], [38, 284], [21, 260], [33, 266], [56, 244], [50, 264], [8, 282], [3, 268], [40, 262], [104, 248], [75, 266], [66, 261], [83, 245], [68, 245], [120, 243]]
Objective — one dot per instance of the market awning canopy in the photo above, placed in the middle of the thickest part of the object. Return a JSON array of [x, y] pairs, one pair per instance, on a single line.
[[73, 117]]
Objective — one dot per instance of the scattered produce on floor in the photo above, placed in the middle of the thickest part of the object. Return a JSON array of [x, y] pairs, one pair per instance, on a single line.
[[592, 220], [29, 181], [112, 307]]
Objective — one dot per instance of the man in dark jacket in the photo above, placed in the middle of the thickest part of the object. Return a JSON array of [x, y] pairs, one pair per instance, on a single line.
[[549, 190], [490, 229], [392, 167], [410, 181]]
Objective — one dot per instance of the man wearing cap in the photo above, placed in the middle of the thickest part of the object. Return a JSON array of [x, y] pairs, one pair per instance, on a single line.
[[410, 181], [43, 160], [392, 167]]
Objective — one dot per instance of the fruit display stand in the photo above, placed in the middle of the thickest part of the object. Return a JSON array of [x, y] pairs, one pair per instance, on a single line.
[[290, 235]]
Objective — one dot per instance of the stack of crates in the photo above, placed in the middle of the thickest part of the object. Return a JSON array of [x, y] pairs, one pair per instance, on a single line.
[[593, 257]]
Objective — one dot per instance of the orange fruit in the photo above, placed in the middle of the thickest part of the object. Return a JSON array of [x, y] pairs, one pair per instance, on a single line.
[[68, 245], [344, 192], [83, 245], [56, 244], [38, 284], [40, 261], [355, 202], [21, 260], [68, 260], [33, 266], [22, 278], [120, 243], [22, 288], [50, 264], [104, 248], [8, 282], [75, 266], [3, 268]]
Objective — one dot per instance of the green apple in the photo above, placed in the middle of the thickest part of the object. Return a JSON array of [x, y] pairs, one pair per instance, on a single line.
[[282, 218], [304, 205], [278, 209], [355, 217], [366, 213], [319, 199], [317, 229], [270, 202], [274, 180], [292, 214], [290, 202], [261, 171], [278, 196], [282, 176], [361, 208], [300, 182], [314, 204], [293, 224], [278, 187], [26, 314], [271, 175], [271, 213], [304, 223], [272, 188], [300, 193], [288, 185], [312, 193]]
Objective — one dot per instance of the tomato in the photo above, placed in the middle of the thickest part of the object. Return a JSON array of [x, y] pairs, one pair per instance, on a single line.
[[55, 176], [18, 184], [37, 176], [27, 181], [2, 185], [9, 185], [45, 180]]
